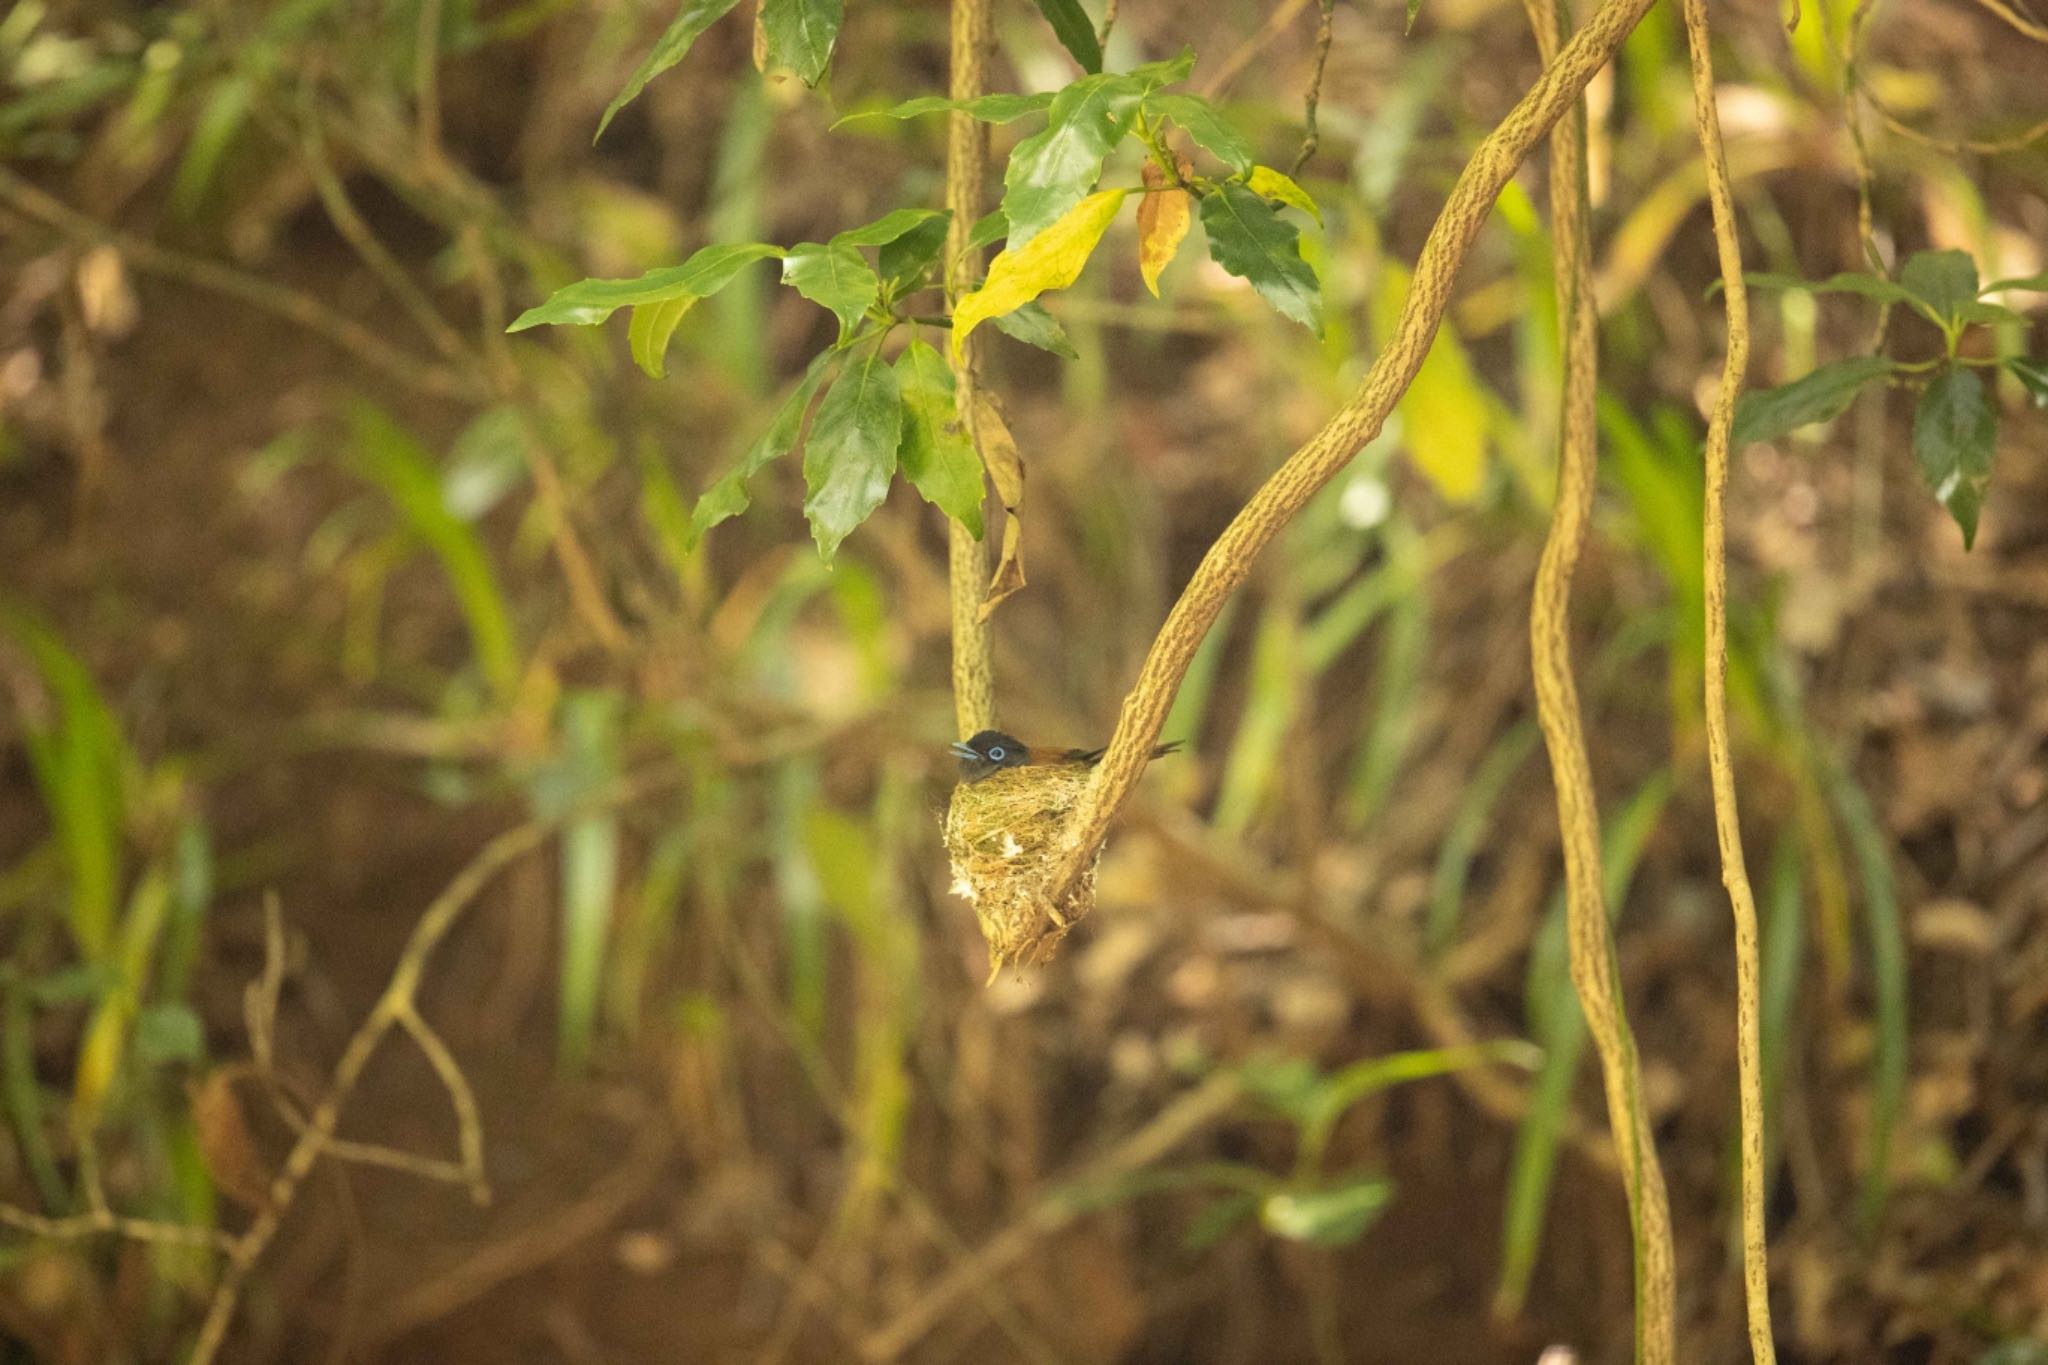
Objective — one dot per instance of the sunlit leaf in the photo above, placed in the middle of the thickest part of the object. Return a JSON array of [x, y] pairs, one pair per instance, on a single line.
[[1332, 1216], [587, 302], [1444, 415], [1767, 414], [1052, 170], [649, 332], [801, 34], [1076, 32], [851, 453], [1034, 326], [1248, 239], [1268, 183], [1207, 126], [935, 454], [834, 276], [1051, 260], [1163, 218], [986, 108], [1955, 434], [1943, 280], [692, 18], [728, 497]]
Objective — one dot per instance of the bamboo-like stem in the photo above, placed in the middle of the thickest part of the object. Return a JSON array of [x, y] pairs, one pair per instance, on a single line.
[[1595, 973], [974, 695], [1229, 561], [1727, 824]]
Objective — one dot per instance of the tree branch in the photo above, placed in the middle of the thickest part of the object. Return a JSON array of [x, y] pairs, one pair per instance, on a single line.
[[974, 698]]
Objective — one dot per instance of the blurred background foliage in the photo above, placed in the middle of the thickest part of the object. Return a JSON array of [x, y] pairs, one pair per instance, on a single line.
[[312, 580]]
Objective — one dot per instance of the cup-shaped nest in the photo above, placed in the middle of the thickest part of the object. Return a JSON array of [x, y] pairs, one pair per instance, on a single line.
[[1002, 834]]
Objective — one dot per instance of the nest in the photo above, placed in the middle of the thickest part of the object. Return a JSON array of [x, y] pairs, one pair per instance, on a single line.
[[1002, 834]]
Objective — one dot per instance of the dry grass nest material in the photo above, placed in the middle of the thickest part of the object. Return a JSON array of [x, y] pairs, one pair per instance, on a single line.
[[1002, 834]]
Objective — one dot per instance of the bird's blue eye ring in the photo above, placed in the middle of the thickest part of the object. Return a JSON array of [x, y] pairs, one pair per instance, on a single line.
[[997, 754]]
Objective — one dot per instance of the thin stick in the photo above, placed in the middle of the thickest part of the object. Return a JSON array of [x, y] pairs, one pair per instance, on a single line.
[[1727, 823], [1596, 976], [1229, 561], [974, 695]]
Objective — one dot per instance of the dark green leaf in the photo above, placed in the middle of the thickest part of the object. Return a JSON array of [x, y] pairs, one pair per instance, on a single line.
[[851, 454], [987, 108], [992, 226], [1766, 414], [906, 260], [1332, 1216], [1943, 280], [1152, 75], [1955, 432], [1983, 311], [728, 497], [2037, 283], [888, 227], [1207, 126], [592, 301], [935, 454], [801, 34], [1250, 240], [835, 277], [2033, 377], [1852, 282], [692, 18], [1076, 32], [1033, 326], [1051, 171]]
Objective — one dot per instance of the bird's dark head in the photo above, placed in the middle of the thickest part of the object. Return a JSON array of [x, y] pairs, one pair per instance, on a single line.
[[989, 752]]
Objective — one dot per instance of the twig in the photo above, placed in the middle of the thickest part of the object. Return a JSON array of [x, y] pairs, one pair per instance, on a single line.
[[1180, 1120], [974, 696], [2019, 22], [1248, 51], [104, 1223], [1727, 823], [1311, 138], [1229, 561], [294, 307], [1596, 975]]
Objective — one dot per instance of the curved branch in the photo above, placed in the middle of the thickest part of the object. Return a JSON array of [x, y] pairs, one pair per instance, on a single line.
[[1229, 561]]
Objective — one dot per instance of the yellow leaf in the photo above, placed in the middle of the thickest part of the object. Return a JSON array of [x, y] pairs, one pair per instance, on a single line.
[[1268, 183], [652, 326], [1444, 413], [1051, 260], [1162, 222]]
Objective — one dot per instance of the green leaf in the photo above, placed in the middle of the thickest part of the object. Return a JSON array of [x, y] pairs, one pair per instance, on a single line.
[[1766, 414], [935, 454], [2033, 377], [1214, 1222], [588, 302], [1033, 326], [169, 1033], [1268, 183], [1414, 9], [1051, 260], [992, 226], [2036, 283], [692, 18], [1053, 170], [889, 227], [1152, 75], [1943, 280], [852, 451], [801, 34], [728, 497], [1850, 282], [987, 108], [649, 332], [1250, 240], [1207, 126], [906, 260], [1076, 32], [1331, 1216], [835, 277], [1955, 433], [1990, 314]]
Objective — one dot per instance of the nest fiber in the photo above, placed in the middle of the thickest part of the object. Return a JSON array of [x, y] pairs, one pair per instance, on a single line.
[[1002, 834]]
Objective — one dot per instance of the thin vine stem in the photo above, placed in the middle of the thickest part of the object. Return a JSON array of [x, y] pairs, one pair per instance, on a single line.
[[1727, 822], [974, 695]]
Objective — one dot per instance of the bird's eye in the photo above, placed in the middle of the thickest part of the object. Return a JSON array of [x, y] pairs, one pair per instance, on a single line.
[[998, 754]]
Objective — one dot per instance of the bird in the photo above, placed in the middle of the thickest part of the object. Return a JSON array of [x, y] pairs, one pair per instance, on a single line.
[[992, 751]]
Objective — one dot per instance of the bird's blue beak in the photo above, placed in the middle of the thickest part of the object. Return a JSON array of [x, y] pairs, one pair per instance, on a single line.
[[964, 751]]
